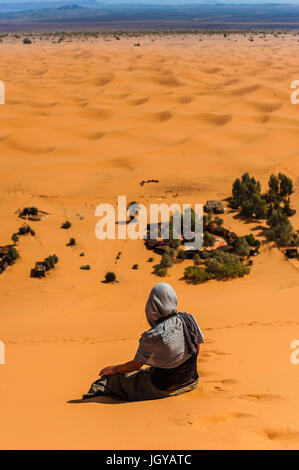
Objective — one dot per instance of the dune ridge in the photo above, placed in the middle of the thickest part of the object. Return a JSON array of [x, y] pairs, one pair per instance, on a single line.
[[85, 122]]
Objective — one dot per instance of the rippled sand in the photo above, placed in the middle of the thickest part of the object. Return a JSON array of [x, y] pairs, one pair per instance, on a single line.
[[87, 121]]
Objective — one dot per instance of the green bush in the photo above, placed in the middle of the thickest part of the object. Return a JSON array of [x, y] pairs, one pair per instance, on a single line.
[[208, 239], [197, 260], [26, 41], [50, 262], [218, 221], [160, 270], [66, 224], [280, 229], [252, 241], [15, 237], [167, 260], [206, 254], [12, 254], [196, 275], [242, 247], [225, 270], [72, 242], [110, 277], [247, 196], [85, 267], [135, 266], [181, 255]]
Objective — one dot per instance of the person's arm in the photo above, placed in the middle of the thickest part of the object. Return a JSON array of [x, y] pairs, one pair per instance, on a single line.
[[130, 366]]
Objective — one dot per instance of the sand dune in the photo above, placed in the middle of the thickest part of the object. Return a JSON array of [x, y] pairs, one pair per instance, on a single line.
[[85, 122]]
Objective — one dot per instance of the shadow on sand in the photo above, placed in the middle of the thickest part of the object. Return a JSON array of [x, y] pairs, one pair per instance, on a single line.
[[104, 399]]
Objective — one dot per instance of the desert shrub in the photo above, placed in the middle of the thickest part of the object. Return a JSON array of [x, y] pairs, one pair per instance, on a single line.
[[252, 241], [181, 255], [12, 255], [26, 41], [174, 243], [227, 267], [205, 254], [50, 262], [218, 221], [160, 270], [85, 267], [208, 239], [207, 218], [150, 260], [72, 242], [247, 196], [287, 210], [197, 260], [171, 252], [280, 188], [15, 237], [110, 277], [196, 275], [280, 229], [66, 224], [242, 247], [82, 254], [135, 266], [55, 258], [167, 260]]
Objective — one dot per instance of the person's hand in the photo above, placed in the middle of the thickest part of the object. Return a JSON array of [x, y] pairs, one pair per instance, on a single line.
[[110, 370]]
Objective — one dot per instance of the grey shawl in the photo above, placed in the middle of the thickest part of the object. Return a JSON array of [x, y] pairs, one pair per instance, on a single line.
[[174, 337]]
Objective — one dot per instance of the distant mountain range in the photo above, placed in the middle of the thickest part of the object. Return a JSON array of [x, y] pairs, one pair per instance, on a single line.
[[14, 5], [99, 15], [38, 5]]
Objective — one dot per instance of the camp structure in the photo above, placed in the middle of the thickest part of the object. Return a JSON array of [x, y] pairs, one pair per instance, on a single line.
[[229, 237], [4, 250], [291, 253], [39, 270], [214, 206], [32, 213], [5, 257], [159, 246]]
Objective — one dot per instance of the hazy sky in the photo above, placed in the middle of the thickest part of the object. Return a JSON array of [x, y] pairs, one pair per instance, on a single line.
[[167, 2]]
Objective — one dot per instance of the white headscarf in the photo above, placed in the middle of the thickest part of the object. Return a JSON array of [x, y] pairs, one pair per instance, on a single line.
[[161, 303]]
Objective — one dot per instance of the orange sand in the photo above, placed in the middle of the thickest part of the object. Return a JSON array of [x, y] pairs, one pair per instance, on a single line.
[[85, 122]]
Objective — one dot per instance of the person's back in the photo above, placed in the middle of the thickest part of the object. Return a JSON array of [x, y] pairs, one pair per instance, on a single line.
[[164, 348], [170, 347]]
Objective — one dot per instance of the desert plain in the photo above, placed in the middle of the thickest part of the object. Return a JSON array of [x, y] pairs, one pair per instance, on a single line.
[[86, 121]]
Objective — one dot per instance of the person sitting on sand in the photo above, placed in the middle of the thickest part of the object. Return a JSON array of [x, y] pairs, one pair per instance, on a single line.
[[170, 348]]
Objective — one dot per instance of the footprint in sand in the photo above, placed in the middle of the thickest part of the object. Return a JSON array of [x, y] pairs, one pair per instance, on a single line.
[[280, 434], [185, 420], [139, 101], [219, 385], [224, 417], [185, 99], [260, 397], [206, 355]]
